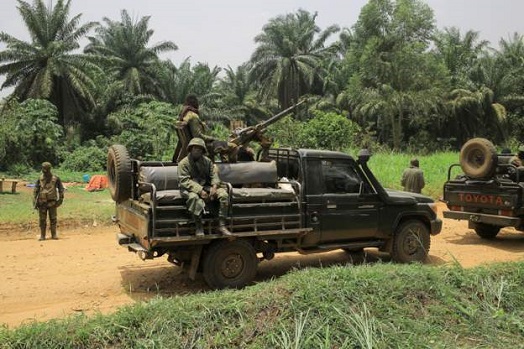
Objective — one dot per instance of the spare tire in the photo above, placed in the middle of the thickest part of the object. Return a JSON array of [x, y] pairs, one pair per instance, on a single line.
[[478, 158], [119, 172]]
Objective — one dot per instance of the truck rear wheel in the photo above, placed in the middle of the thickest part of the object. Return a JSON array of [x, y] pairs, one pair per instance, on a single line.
[[478, 158], [119, 172], [486, 231], [230, 264], [411, 242]]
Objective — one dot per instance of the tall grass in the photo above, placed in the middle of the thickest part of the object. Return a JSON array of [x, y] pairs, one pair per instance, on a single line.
[[388, 168], [379, 306]]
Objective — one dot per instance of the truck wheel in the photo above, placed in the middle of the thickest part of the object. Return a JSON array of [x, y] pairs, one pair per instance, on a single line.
[[486, 231], [230, 264], [119, 172], [478, 158], [411, 242]]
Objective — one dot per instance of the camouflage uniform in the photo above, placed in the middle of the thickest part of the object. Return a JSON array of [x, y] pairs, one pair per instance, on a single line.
[[227, 150], [200, 175], [48, 196], [413, 178], [516, 160]]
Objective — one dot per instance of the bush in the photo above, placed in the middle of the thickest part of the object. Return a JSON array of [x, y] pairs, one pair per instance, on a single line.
[[329, 131], [30, 133], [86, 159], [147, 130]]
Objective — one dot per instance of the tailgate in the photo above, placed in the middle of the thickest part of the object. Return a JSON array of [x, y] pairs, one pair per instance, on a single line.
[[483, 195]]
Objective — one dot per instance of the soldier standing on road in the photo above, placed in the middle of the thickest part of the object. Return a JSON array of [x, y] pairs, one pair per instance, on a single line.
[[199, 183], [413, 177], [191, 115], [48, 196], [518, 160]]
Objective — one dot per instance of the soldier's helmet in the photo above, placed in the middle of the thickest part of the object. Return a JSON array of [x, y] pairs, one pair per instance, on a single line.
[[198, 142], [46, 166]]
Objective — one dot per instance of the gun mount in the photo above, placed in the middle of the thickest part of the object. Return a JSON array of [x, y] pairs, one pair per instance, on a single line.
[[254, 133]]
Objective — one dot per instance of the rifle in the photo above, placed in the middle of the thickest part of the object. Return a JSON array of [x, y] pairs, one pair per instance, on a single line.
[[35, 204], [246, 135]]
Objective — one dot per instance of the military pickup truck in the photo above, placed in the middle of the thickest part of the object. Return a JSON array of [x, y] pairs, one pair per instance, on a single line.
[[302, 200], [488, 194]]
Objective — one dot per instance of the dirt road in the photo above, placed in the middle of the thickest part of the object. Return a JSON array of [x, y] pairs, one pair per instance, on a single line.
[[86, 271]]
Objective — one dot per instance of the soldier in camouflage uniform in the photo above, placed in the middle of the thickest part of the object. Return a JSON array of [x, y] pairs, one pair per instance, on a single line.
[[191, 115], [413, 178], [48, 196], [199, 183]]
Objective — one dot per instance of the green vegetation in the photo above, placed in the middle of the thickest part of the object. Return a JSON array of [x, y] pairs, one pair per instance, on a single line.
[[388, 168], [368, 306], [392, 81]]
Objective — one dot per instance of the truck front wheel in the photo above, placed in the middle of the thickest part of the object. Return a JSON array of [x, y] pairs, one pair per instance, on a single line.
[[486, 231], [230, 264], [411, 242]]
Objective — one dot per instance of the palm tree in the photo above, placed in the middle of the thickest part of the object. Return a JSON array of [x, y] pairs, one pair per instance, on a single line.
[[474, 114], [239, 98], [45, 67], [459, 53], [290, 51], [125, 46]]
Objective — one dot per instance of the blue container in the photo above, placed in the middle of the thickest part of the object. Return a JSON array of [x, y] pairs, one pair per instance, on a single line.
[[86, 178]]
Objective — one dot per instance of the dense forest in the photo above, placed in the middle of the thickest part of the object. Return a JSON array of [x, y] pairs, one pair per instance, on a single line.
[[391, 81]]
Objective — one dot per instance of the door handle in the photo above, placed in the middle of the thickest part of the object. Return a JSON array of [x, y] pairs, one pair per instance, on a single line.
[[366, 206]]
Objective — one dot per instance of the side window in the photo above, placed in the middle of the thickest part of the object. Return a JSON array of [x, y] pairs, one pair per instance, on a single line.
[[340, 177]]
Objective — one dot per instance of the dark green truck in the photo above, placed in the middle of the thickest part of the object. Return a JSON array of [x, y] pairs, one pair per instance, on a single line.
[[303, 200]]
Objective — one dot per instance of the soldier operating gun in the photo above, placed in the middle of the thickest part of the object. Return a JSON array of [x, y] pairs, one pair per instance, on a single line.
[[243, 136]]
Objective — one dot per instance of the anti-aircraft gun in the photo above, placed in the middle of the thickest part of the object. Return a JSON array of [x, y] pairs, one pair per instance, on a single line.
[[244, 136]]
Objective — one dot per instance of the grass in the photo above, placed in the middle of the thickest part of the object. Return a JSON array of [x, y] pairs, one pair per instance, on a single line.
[[388, 168], [369, 306]]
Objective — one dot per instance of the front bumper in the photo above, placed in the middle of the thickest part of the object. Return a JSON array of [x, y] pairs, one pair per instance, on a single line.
[[436, 226]]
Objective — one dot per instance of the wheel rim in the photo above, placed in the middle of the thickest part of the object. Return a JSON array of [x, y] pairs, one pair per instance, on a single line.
[[412, 243], [232, 266], [476, 158]]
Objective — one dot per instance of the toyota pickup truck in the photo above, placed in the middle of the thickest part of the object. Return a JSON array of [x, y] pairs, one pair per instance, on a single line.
[[302, 200], [488, 194]]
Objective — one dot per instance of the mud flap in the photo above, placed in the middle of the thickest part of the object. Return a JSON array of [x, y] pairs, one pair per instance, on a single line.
[[195, 260]]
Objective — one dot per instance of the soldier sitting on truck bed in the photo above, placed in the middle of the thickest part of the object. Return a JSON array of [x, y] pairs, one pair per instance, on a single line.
[[199, 183]]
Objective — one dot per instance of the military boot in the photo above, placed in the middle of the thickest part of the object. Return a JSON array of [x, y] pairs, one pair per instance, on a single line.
[[42, 234], [199, 227], [53, 232], [222, 229]]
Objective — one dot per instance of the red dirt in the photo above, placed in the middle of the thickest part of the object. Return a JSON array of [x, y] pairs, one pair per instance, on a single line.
[[86, 271]]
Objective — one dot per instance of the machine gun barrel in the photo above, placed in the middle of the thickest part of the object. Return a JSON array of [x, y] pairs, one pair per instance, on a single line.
[[245, 135], [278, 116]]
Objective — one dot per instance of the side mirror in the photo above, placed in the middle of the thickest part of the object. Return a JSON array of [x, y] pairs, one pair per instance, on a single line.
[[364, 155]]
